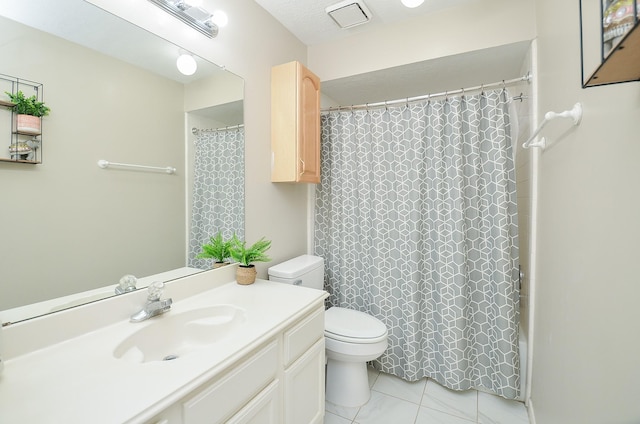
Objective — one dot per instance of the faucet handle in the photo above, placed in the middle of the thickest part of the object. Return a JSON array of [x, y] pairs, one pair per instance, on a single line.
[[155, 291], [126, 284]]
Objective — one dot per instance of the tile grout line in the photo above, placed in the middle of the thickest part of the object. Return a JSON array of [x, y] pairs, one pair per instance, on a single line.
[[424, 392]]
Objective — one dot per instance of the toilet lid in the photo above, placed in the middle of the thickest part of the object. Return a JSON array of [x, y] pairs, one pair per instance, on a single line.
[[353, 324]]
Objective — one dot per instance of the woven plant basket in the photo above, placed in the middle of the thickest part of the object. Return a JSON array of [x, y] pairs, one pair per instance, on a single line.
[[28, 124], [246, 275]]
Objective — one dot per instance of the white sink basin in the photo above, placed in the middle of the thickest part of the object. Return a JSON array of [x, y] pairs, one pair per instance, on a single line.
[[171, 336]]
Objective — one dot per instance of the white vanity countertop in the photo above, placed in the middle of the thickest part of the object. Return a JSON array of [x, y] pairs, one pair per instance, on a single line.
[[79, 380]]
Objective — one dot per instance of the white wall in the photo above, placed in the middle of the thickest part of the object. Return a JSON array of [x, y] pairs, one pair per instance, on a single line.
[[587, 321], [477, 26], [249, 46], [66, 221], [253, 42]]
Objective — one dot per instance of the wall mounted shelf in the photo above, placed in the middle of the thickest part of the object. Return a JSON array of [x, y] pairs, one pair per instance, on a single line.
[[619, 56], [23, 146]]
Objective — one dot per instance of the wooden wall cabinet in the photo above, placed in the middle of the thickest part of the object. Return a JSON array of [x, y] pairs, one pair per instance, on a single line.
[[295, 124]]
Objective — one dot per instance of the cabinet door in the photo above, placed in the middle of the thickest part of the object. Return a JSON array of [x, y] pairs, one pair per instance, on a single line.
[[304, 334], [227, 395], [263, 409], [295, 124], [308, 126], [304, 388]]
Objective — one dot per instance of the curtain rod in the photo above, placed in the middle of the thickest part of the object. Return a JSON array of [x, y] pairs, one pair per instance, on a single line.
[[502, 83], [195, 130]]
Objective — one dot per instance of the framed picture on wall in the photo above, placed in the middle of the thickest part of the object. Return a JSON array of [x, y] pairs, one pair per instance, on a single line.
[[609, 41]]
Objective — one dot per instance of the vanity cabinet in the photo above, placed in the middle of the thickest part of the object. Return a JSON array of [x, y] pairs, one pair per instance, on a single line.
[[304, 370], [295, 124], [280, 382]]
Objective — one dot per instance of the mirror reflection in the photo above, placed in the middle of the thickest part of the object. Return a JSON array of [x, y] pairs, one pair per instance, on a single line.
[[115, 94]]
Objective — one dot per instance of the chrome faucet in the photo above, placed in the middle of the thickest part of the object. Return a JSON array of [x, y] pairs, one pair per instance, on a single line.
[[154, 306]]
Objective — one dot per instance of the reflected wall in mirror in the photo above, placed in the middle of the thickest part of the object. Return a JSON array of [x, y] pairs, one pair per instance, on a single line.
[[115, 94]]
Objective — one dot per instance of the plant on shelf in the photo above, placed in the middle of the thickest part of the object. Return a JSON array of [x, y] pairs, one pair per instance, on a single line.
[[28, 105], [28, 112], [217, 249], [246, 256]]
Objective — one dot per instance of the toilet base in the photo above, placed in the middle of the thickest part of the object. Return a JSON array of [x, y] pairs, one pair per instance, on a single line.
[[347, 383]]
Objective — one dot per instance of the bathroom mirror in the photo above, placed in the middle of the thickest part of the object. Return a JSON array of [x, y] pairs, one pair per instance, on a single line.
[[69, 226]]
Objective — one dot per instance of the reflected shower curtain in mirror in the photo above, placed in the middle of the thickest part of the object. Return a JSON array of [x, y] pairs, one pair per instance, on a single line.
[[218, 190], [416, 219]]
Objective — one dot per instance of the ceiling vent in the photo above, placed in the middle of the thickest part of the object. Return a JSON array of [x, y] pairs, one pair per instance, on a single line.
[[349, 13]]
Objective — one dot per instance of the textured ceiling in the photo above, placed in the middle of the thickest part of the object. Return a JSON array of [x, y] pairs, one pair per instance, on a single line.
[[308, 21]]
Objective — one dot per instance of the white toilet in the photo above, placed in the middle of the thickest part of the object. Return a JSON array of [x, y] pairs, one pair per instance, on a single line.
[[351, 337]]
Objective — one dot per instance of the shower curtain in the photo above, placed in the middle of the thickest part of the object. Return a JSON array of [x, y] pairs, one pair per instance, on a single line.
[[416, 218], [218, 190]]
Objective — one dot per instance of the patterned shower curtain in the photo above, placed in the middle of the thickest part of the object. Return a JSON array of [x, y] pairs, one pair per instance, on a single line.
[[416, 218], [218, 190]]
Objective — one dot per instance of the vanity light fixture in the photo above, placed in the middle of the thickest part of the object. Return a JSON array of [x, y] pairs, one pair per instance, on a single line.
[[196, 17], [220, 18], [186, 64], [412, 3]]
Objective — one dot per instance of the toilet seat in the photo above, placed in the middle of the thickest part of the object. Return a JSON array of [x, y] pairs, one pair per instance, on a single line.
[[348, 325]]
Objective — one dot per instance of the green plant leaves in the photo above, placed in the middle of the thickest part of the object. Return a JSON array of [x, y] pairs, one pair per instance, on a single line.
[[247, 255], [217, 249], [235, 249], [27, 105]]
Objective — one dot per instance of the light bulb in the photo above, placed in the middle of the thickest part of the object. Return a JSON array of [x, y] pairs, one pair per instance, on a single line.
[[186, 64], [220, 18], [412, 3]]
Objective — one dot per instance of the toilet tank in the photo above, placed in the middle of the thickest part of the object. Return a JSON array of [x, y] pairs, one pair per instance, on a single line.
[[305, 270]]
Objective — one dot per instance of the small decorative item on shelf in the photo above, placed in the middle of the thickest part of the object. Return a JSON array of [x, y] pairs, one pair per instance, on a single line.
[[29, 111], [619, 18], [217, 249], [246, 273], [20, 151]]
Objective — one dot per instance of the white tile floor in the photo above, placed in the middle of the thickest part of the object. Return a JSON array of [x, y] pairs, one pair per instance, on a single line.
[[396, 401]]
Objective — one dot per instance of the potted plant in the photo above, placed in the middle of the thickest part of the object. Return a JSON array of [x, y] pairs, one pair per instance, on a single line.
[[217, 249], [29, 111], [245, 256]]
